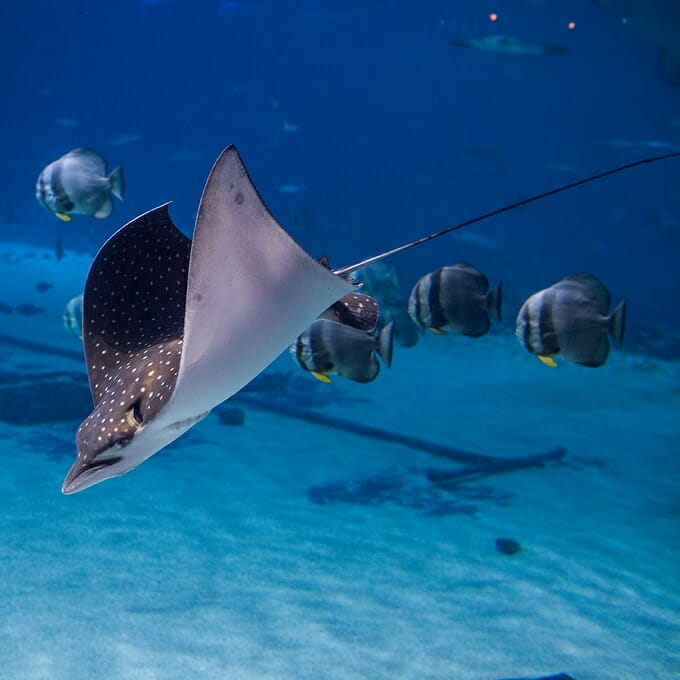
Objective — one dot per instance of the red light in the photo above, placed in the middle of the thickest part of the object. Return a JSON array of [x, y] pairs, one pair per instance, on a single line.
[[571, 25], [493, 16]]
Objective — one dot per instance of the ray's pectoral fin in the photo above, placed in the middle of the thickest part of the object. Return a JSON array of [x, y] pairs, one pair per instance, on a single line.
[[134, 301], [133, 326], [251, 291]]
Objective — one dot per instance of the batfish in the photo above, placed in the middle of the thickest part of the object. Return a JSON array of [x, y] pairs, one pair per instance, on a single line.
[[172, 326]]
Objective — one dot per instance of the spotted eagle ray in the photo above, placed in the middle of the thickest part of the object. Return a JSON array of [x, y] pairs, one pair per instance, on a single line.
[[172, 326]]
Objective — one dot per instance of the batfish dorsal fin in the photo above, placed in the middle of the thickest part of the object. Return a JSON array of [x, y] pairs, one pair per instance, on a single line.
[[134, 295], [90, 161], [474, 275], [595, 287], [252, 290]]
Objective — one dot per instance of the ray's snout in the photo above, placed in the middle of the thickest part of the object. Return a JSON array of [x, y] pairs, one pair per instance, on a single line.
[[84, 474]]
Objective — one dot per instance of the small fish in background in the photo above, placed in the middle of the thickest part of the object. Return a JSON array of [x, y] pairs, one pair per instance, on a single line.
[[564, 169], [455, 298], [229, 7], [406, 333], [617, 143], [379, 280], [472, 238], [43, 286], [506, 44], [28, 309], [303, 219], [489, 154], [382, 282], [59, 248], [6, 214], [571, 319], [666, 224], [331, 348], [660, 145], [77, 183], [184, 155], [65, 121], [73, 316], [123, 138], [291, 188], [290, 128], [633, 147], [5, 308]]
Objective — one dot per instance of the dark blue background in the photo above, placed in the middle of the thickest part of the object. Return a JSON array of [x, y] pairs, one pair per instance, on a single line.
[[400, 132]]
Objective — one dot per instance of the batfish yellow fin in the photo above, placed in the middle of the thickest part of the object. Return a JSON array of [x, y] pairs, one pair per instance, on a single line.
[[547, 360], [64, 217], [438, 331], [321, 376]]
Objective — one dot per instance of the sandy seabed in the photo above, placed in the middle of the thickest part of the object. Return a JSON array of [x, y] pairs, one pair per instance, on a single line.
[[211, 561]]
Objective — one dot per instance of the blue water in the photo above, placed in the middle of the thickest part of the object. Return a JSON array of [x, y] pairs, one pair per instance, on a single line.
[[213, 559]]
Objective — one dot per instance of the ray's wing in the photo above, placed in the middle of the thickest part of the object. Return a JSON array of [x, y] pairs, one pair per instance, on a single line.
[[252, 290], [134, 295]]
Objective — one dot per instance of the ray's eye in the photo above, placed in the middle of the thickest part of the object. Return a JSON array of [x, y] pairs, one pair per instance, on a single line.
[[137, 412], [121, 442], [134, 414]]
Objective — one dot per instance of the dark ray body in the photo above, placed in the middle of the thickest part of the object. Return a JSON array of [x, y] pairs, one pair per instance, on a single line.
[[133, 312], [356, 310]]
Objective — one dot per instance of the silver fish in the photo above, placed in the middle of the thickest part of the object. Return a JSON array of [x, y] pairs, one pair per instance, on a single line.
[[77, 183], [406, 333], [328, 347], [73, 316], [571, 319], [379, 280], [506, 44], [455, 298]]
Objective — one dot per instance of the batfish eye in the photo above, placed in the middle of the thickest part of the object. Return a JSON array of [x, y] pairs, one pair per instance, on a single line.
[[122, 442]]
